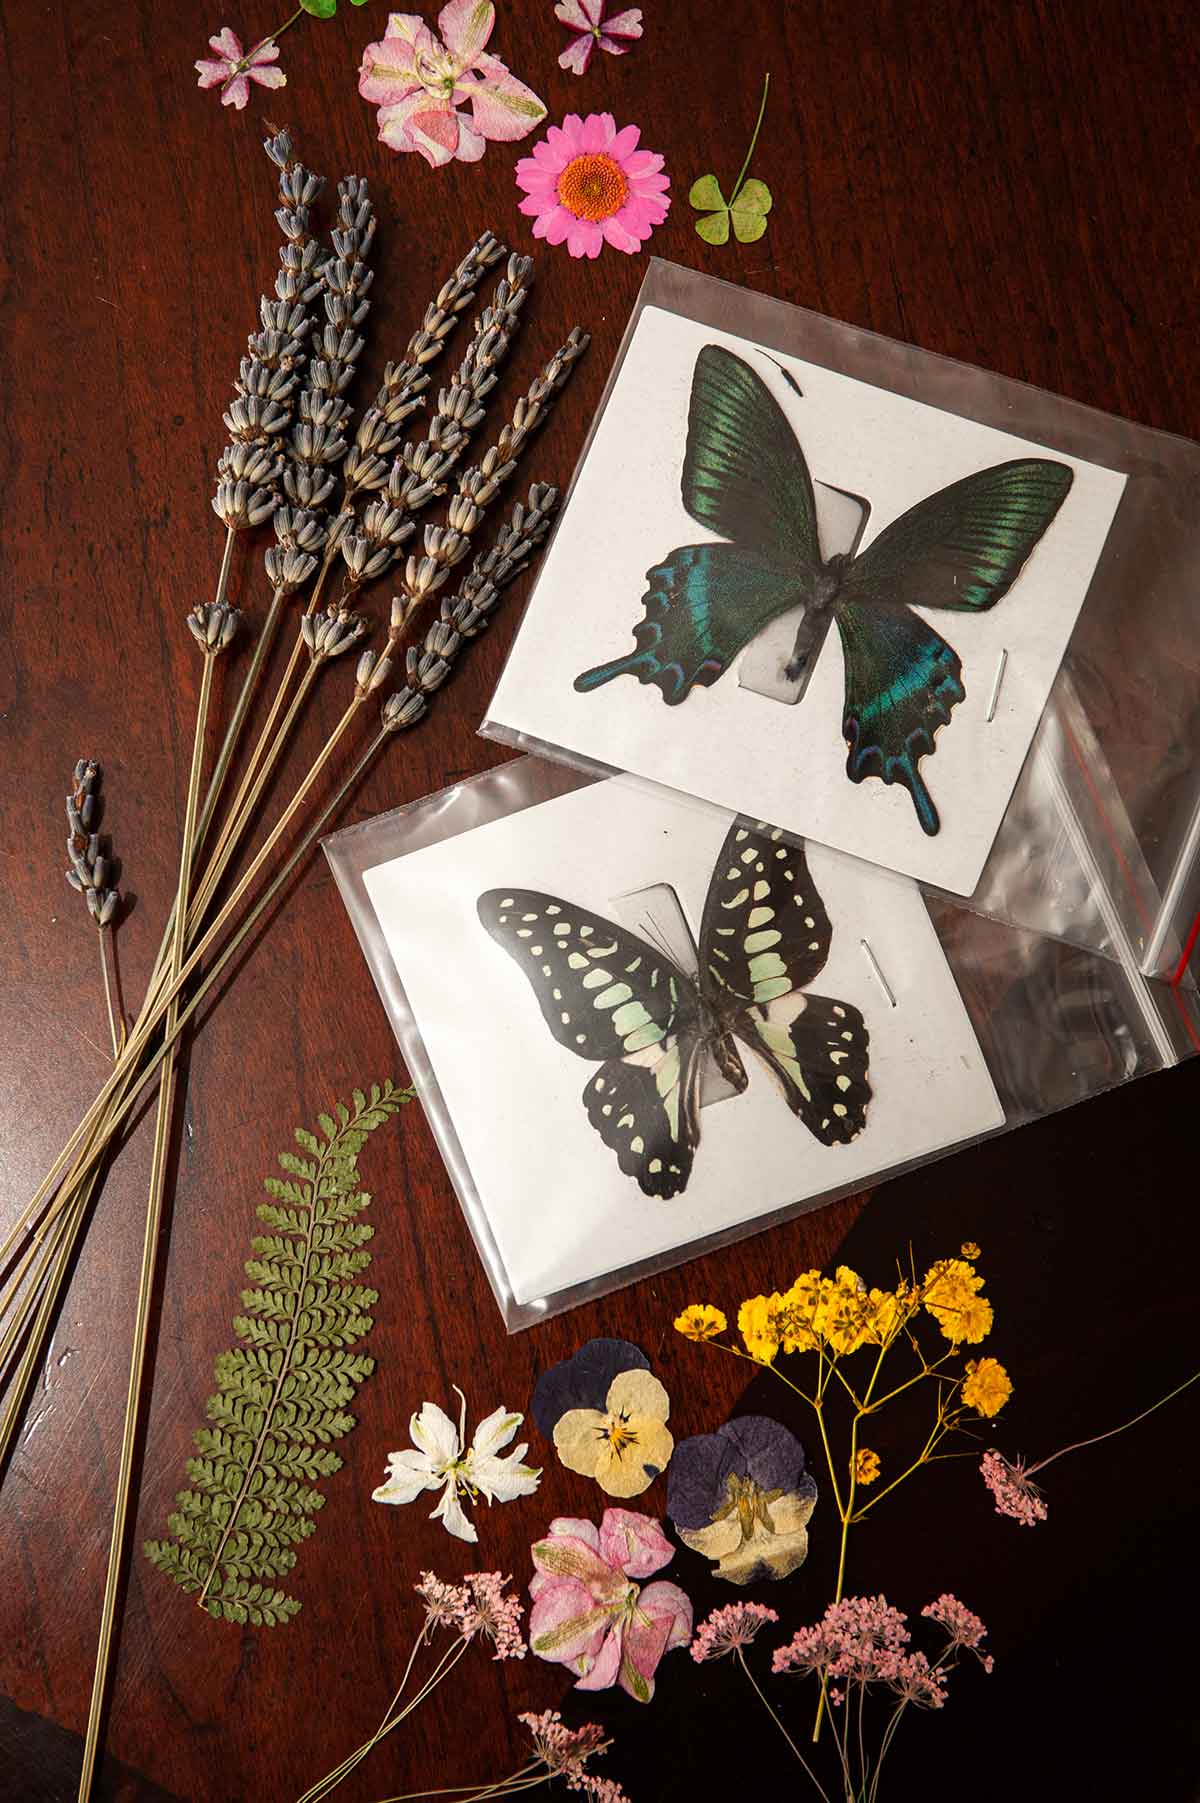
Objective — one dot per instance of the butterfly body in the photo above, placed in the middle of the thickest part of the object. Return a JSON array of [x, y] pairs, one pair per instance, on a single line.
[[611, 997], [745, 478]]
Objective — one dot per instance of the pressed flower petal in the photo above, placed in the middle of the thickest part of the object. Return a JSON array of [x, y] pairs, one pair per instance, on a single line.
[[625, 143], [495, 1431], [502, 1480], [716, 1541], [602, 1671], [408, 1474], [449, 1512], [227, 44], [434, 1432], [578, 55], [579, 1435], [638, 1393], [563, 1556], [643, 162], [211, 73], [622, 25], [465, 27], [268, 78], [502, 107], [237, 93], [597, 131], [578, 1529], [633, 1543], [565, 1623], [579, 15], [267, 52]]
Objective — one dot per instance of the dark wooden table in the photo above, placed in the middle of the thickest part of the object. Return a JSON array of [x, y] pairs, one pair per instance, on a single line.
[[1013, 184]]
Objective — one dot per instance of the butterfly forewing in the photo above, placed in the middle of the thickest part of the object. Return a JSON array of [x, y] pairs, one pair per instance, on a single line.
[[766, 935], [606, 994]]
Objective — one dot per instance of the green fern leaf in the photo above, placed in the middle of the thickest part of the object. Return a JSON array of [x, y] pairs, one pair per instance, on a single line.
[[281, 1395]]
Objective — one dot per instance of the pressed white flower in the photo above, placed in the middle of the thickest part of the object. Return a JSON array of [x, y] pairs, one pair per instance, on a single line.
[[443, 1461]]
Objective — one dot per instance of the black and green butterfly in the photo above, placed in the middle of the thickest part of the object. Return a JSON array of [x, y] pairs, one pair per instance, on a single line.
[[607, 994], [744, 476]]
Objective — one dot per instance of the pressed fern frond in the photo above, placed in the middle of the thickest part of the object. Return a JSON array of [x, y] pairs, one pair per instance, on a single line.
[[281, 1396]]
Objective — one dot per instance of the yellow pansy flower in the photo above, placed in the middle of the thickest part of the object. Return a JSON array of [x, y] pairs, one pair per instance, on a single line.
[[986, 1387], [758, 1326], [700, 1321], [625, 1444]]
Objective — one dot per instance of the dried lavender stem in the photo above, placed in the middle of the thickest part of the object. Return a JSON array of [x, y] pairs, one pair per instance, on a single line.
[[108, 997], [146, 1282]]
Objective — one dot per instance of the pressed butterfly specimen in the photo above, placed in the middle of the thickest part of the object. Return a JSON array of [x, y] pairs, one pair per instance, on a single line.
[[745, 477], [609, 995]]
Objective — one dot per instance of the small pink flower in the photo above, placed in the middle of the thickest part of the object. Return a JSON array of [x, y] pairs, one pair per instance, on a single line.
[[234, 68], [419, 81], [963, 1627], [728, 1629], [1017, 1496], [586, 17], [588, 183], [477, 1606], [588, 1615]]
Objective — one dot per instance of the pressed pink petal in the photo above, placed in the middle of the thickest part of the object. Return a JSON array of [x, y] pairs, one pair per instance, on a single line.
[[534, 204], [550, 158], [413, 29], [645, 1644], [599, 130], [565, 1614], [386, 75], [268, 78], [648, 185], [554, 225], [502, 107], [634, 1543], [603, 1673], [536, 180], [665, 1601], [570, 1556], [616, 234], [643, 162], [640, 216], [571, 131], [237, 93], [584, 239], [466, 26], [211, 73], [419, 123], [265, 53], [227, 44], [622, 25], [625, 143], [579, 15], [578, 1529], [471, 145], [578, 54]]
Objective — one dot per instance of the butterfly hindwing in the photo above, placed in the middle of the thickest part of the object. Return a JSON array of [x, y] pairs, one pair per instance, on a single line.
[[645, 1108], [744, 476], [703, 605], [964, 547], [902, 682], [607, 995], [766, 934]]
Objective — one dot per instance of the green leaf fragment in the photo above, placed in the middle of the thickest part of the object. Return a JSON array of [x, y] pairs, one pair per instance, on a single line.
[[322, 9], [705, 194]]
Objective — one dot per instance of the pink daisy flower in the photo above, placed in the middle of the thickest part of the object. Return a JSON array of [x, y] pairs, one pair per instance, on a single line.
[[234, 68], [588, 184], [586, 17]]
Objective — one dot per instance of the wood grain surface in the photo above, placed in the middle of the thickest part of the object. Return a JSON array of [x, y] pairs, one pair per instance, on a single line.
[[1011, 182]]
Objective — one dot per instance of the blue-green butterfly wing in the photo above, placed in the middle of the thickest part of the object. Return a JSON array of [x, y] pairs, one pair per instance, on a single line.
[[606, 994], [744, 476], [960, 551], [765, 936]]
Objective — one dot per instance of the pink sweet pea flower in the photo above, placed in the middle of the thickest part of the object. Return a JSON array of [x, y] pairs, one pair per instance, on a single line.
[[419, 81], [234, 69], [587, 18], [587, 1614], [589, 184]]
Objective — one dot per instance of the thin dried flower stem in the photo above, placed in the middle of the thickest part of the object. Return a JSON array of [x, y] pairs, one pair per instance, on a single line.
[[150, 1241]]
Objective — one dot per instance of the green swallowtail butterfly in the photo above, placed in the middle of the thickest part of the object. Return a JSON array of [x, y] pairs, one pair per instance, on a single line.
[[609, 996], [745, 477]]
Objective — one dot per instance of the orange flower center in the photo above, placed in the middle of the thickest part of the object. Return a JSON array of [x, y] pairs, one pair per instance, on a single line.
[[593, 186]]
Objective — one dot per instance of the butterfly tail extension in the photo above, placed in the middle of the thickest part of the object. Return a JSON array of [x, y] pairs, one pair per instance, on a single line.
[[645, 1110], [903, 682]]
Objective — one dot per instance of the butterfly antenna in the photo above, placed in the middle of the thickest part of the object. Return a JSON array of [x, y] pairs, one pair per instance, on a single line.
[[654, 934]]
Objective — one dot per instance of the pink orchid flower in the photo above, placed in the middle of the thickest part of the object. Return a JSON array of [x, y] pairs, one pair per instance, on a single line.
[[234, 68], [419, 81], [586, 17], [588, 1615]]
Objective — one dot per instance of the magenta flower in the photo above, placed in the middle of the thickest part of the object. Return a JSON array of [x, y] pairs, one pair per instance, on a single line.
[[586, 17], [589, 184], [419, 81], [234, 68], [588, 1615]]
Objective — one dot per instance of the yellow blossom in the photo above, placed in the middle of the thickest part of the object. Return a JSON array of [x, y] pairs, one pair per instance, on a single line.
[[969, 1249], [758, 1326], [797, 1307], [700, 1321], [950, 1294], [866, 1466], [843, 1315], [986, 1387], [888, 1315]]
